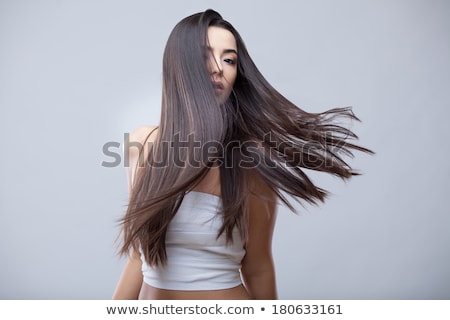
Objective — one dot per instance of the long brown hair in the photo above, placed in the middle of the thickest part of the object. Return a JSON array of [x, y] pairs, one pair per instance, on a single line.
[[257, 131]]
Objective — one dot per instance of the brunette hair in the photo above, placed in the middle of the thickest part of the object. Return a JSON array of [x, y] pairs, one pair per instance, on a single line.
[[256, 132]]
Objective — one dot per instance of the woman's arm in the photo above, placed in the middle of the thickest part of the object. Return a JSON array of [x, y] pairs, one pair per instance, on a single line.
[[258, 269], [130, 281]]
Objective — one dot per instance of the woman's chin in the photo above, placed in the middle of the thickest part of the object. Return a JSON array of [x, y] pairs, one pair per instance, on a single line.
[[222, 97]]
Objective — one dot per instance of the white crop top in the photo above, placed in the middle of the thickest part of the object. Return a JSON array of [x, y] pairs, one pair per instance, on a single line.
[[196, 258]]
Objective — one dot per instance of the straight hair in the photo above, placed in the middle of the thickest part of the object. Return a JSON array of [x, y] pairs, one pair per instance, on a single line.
[[257, 131]]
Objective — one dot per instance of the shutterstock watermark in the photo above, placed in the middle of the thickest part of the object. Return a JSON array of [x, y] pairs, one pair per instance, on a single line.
[[192, 153]]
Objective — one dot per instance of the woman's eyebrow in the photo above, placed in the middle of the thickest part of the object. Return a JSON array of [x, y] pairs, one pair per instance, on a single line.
[[230, 51], [224, 50]]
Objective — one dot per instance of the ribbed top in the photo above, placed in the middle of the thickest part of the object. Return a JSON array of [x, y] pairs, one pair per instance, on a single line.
[[196, 258]]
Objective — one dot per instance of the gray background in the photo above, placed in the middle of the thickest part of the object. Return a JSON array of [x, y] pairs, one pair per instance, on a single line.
[[75, 75]]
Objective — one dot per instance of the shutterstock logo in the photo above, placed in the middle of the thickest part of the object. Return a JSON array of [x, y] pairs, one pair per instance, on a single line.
[[192, 153]]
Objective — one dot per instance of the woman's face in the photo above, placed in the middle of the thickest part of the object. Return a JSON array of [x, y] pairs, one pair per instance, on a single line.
[[222, 61]]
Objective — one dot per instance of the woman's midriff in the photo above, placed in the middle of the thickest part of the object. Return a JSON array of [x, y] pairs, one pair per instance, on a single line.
[[151, 293]]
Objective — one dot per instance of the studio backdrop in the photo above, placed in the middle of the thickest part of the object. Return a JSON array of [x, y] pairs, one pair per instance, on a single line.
[[77, 76]]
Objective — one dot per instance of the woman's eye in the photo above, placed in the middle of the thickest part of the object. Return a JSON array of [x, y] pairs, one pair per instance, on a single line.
[[230, 61]]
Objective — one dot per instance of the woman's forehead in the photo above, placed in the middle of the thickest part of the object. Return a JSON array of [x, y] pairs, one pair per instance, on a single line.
[[220, 38]]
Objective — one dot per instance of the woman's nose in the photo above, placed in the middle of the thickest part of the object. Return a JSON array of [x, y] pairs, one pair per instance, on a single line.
[[215, 66]]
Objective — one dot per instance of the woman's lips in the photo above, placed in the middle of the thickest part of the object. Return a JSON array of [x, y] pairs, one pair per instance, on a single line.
[[218, 86]]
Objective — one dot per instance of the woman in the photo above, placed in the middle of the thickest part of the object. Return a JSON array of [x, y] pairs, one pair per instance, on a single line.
[[204, 187]]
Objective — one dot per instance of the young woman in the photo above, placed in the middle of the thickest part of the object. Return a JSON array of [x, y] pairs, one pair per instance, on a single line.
[[204, 187]]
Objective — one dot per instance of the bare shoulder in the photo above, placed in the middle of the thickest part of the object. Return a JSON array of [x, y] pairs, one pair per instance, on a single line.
[[144, 134], [136, 151], [139, 141], [259, 189]]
